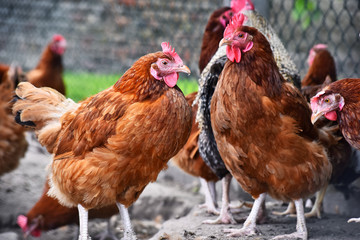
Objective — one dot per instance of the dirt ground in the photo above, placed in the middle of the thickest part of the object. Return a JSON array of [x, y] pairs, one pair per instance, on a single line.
[[167, 209]]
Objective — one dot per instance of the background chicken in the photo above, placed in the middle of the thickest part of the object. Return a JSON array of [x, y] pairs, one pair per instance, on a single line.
[[49, 71], [262, 128], [48, 214], [213, 33], [12, 137], [339, 102], [110, 146], [207, 83], [189, 160], [3, 70], [322, 71]]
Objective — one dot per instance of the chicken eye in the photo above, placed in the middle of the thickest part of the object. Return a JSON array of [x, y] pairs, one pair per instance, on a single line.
[[327, 100], [241, 35], [164, 62]]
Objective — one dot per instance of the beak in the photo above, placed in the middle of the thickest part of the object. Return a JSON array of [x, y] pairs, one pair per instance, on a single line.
[[183, 69], [224, 41], [315, 117]]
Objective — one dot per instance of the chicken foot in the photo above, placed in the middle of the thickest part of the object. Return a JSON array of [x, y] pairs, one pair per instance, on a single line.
[[249, 227], [301, 231], [354, 220], [83, 220], [210, 196], [129, 233], [225, 216]]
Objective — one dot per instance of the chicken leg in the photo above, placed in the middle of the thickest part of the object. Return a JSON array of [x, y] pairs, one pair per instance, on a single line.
[[210, 196], [249, 227], [225, 216], [289, 210], [83, 220], [301, 231], [316, 209], [129, 233]]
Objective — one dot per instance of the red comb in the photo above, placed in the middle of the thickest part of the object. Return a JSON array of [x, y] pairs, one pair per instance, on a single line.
[[22, 222], [320, 46], [236, 21], [58, 37], [239, 5], [168, 50]]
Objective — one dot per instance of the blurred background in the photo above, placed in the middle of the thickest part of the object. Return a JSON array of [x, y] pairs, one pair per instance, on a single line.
[[107, 36]]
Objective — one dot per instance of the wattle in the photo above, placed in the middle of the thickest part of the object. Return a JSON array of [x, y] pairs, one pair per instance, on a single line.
[[233, 53], [332, 116], [171, 79]]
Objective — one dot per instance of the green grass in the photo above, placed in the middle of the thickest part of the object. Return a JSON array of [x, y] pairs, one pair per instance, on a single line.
[[82, 85]]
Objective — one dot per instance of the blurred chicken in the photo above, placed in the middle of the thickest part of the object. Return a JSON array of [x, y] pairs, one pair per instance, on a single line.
[[12, 137], [48, 214], [49, 71], [339, 102], [207, 83], [3, 70], [262, 128], [189, 160], [322, 71], [213, 33], [111, 145]]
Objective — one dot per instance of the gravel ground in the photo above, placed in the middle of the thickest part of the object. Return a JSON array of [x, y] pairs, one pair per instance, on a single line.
[[165, 210]]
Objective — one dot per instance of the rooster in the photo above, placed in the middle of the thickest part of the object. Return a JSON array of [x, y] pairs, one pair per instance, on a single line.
[[48, 214], [189, 160], [13, 144], [262, 128], [49, 71], [339, 102], [111, 145], [207, 83]]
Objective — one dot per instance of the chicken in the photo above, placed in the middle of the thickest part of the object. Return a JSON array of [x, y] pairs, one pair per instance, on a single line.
[[49, 71], [262, 128], [3, 70], [13, 144], [322, 71], [48, 214], [339, 102], [108, 147], [214, 30], [207, 83], [189, 160]]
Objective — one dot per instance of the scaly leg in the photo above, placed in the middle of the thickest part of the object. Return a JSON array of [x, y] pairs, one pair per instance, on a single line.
[[225, 214], [301, 231], [316, 209], [210, 196], [249, 227], [83, 219], [290, 210], [129, 233]]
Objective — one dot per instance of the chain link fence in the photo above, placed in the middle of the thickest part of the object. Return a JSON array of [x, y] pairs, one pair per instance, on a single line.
[[108, 36]]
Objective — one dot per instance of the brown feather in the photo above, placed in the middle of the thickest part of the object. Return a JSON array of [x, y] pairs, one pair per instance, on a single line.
[[263, 130]]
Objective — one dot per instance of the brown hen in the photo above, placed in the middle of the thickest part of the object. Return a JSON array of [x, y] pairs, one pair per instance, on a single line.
[[263, 130], [49, 70], [111, 145]]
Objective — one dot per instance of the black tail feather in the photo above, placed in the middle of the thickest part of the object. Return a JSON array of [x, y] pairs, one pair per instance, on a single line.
[[27, 123]]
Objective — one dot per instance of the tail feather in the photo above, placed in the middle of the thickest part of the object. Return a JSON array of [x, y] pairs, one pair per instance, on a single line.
[[41, 109]]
